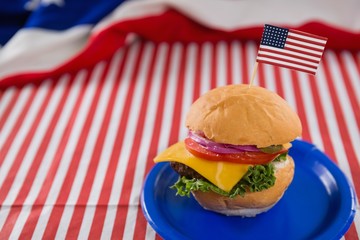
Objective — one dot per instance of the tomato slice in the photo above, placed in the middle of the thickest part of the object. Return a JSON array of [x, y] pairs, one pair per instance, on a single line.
[[242, 157]]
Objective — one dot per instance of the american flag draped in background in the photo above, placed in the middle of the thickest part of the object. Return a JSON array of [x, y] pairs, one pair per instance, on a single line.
[[85, 107], [291, 48]]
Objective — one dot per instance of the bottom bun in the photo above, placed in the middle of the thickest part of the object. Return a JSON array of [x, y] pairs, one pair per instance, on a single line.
[[252, 203]]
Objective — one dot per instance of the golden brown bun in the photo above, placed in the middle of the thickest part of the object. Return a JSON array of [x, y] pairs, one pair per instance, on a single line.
[[253, 202], [239, 115]]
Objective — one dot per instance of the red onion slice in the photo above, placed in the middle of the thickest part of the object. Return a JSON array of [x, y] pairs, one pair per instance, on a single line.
[[221, 147]]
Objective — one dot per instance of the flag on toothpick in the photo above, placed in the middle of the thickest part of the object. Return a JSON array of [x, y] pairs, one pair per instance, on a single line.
[[291, 49]]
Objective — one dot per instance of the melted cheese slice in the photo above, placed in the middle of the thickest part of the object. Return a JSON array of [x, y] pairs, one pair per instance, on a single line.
[[222, 174]]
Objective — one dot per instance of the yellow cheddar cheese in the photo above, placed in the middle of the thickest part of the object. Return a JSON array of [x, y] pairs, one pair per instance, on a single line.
[[222, 174]]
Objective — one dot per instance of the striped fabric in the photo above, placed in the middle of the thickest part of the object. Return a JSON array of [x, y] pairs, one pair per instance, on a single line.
[[74, 150]]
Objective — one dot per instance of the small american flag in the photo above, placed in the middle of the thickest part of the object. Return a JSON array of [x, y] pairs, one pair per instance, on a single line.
[[291, 49]]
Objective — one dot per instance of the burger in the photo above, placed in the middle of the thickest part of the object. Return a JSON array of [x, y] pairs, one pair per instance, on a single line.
[[235, 158]]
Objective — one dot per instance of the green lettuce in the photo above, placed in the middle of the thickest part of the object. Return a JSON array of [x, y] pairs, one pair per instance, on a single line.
[[281, 158], [256, 179]]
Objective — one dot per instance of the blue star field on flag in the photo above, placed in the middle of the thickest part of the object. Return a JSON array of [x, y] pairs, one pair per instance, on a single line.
[[274, 36]]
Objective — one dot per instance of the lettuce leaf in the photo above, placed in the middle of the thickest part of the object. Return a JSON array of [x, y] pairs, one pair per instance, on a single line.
[[281, 158], [257, 178]]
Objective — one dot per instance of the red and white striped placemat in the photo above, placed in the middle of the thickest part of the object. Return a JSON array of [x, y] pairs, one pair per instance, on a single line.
[[74, 150]]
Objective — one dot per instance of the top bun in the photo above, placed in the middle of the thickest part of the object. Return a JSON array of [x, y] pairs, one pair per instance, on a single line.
[[239, 115]]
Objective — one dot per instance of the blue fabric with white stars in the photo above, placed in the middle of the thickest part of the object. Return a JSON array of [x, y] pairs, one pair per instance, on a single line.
[[55, 15], [274, 36]]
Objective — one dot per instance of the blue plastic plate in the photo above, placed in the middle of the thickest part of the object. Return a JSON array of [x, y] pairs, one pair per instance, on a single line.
[[319, 204]]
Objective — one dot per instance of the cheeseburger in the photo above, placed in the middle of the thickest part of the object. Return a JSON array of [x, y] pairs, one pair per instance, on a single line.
[[235, 159]]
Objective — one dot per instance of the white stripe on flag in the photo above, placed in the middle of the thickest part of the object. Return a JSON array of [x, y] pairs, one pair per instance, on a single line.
[[286, 64], [293, 47], [285, 52], [304, 44], [271, 55], [307, 37]]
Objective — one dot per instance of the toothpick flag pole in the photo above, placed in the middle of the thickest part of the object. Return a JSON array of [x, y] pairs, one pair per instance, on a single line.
[[289, 48], [253, 73]]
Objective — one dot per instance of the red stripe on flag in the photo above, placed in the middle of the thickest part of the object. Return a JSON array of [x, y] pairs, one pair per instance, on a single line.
[[293, 55], [305, 40], [286, 66], [290, 48], [292, 45], [307, 34], [286, 60]]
